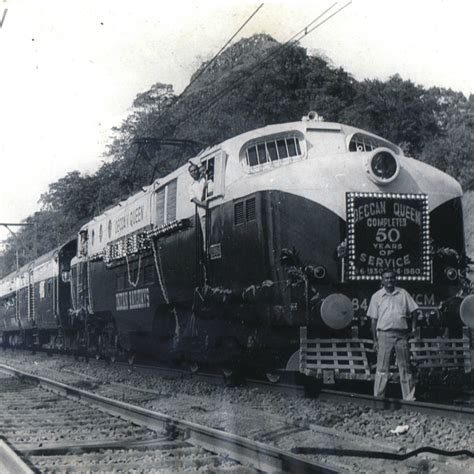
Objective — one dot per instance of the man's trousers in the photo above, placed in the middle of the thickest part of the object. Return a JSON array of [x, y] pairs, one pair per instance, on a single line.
[[387, 340]]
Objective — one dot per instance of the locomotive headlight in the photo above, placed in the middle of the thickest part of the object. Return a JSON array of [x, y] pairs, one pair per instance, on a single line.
[[382, 166], [451, 274], [319, 272]]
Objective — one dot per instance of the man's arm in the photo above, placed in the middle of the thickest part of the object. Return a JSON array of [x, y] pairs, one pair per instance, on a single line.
[[412, 319], [198, 202], [374, 334], [412, 310], [372, 313]]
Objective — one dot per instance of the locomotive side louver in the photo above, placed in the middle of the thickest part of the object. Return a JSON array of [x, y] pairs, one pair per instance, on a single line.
[[239, 217], [382, 166], [251, 211], [245, 211]]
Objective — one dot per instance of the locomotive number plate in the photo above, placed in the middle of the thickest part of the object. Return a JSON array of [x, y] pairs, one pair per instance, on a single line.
[[215, 252]]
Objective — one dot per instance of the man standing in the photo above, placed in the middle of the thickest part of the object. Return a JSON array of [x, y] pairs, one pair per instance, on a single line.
[[389, 308]]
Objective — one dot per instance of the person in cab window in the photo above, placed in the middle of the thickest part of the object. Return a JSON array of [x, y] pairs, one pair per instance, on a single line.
[[197, 195], [390, 308], [209, 177]]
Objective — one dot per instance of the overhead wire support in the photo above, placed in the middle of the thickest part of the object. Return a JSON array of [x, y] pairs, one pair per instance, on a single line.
[[7, 225], [295, 38]]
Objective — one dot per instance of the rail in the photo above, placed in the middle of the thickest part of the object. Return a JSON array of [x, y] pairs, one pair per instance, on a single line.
[[260, 456], [10, 462]]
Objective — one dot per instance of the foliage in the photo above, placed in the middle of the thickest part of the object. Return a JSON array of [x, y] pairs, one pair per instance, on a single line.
[[397, 110], [255, 82], [453, 149]]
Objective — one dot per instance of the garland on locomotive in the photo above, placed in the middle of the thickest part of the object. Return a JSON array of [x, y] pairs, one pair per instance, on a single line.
[[300, 218]]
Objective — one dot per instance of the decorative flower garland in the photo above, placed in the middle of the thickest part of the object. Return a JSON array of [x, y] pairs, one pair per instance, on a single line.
[[137, 243], [168, 228]]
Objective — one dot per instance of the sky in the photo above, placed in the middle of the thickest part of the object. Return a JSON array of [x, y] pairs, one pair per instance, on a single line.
[[70, 69]]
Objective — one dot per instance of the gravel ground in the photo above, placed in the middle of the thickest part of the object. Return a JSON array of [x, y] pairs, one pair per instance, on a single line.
[[273, 418]]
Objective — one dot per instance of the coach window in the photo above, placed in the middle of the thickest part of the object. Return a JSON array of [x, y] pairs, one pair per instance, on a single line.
[[82, 244], [41, 289], [100, 233], [9, 302], [66, 276]]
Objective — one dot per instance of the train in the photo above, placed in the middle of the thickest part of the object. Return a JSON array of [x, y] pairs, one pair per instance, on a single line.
[[274, 273]]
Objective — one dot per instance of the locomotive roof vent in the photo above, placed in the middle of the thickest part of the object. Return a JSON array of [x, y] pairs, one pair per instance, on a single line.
[[382, 166]]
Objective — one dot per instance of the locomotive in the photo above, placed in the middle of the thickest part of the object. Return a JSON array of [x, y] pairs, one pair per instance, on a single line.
[[299, 220]]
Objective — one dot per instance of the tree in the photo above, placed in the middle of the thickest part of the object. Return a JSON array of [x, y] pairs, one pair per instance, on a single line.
[[253, 83], [397, 110]]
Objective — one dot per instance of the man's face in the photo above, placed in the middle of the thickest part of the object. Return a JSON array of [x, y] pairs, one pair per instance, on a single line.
[[388, 281], [194, 172]]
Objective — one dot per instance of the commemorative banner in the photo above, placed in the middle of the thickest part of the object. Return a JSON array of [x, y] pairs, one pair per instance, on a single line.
[[388, 231]]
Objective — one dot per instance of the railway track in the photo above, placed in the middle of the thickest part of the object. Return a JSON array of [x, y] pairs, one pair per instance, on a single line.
[[330, 430], [452, 411], [58, 427]]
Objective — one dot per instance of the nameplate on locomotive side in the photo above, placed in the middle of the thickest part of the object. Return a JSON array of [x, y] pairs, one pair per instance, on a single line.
[[388, 230], [132, 299]]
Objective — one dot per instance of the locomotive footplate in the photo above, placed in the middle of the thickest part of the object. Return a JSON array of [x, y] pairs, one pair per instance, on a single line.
[[355, 359]]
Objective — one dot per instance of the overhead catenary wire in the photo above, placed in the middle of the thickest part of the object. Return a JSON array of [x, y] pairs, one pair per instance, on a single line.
[[295, 38], [278, 50], [208, 64], [306, 30], [166, 109], [198, 110]]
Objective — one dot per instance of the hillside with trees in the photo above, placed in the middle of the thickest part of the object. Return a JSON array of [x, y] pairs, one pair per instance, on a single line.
[[253, 83]]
